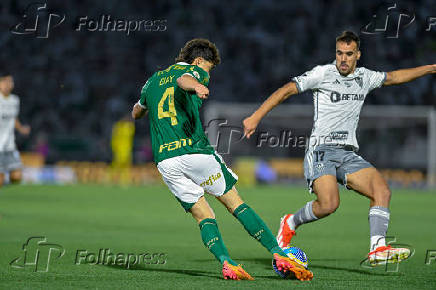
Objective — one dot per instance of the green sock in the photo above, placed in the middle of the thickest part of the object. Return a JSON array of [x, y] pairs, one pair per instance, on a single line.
[[257, 228], [212, 240]]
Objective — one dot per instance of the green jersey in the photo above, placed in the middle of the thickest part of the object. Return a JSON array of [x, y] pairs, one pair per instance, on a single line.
[[175, 124]]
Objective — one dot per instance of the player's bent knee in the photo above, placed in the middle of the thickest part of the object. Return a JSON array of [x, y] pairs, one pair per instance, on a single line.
[[382, 196], [328, 207]]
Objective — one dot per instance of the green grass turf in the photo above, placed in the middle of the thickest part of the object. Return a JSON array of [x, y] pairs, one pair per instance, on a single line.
[[149, 220]]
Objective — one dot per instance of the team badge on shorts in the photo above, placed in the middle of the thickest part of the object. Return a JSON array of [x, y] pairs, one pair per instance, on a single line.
[[319, 167]]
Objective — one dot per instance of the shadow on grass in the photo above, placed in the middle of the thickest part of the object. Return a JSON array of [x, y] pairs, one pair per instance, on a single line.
[[164, 270], [195, 273], [267, 263], [356, 271]]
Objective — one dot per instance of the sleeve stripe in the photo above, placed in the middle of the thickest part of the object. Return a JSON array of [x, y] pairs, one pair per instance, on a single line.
[[297, 84], [189, 74], [385, 75]]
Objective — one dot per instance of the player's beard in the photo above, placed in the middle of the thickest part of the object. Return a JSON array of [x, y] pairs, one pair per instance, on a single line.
[[344, 70]]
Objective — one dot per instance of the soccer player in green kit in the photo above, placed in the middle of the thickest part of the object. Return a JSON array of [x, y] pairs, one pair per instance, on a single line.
[[187, 162]]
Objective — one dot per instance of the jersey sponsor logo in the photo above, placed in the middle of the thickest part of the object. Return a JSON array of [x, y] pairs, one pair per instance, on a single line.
[[337, 82], [211, 179], [175, 145], [336, 97]]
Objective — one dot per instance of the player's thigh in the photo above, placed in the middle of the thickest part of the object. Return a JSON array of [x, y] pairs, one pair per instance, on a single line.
[[231, 200], [320, 167], [201, 210], [327, 192], [370, 183], [2, 178], [186, 191], [209, 172], [15, 175]]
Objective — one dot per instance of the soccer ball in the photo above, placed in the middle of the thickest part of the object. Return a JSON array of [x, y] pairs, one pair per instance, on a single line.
[[295, 254]]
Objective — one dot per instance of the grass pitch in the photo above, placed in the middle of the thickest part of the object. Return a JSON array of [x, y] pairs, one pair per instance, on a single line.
[[147, 220]]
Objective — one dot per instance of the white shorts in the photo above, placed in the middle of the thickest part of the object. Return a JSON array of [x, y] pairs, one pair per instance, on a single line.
[[9, 161], [189, 176]]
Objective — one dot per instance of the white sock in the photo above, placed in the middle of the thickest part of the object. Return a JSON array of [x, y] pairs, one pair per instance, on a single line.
[[291, 223], [377, 241]]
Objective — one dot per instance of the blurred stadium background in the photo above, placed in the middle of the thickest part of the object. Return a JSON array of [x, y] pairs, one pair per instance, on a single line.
[[77, 87]]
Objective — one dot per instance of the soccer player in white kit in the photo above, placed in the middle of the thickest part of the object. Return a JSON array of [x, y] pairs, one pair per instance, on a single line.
[[9, 107], [339, 90]]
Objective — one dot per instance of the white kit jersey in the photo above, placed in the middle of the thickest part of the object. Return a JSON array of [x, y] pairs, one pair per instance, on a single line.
[[337, 101], [9, 108]]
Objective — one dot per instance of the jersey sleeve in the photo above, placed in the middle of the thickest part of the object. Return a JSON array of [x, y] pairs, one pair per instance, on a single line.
[[375, 79], [197, 73], [310, 79], [142, 101]]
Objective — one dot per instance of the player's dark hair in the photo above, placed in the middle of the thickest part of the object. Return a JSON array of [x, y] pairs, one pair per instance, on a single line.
[[199, 47], [5, 73], [349, 36]]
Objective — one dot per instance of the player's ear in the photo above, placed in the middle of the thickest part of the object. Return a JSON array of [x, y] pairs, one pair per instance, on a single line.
[[358, 54], [197, 60]]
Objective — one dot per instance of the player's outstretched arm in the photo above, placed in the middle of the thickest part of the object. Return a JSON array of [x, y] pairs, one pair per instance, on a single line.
[[406, 75], [190, 84], [138, 111], [23, 129], [250, 123]]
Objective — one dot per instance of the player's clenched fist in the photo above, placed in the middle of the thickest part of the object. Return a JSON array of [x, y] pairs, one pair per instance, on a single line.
[[202, 91], [250, 125]]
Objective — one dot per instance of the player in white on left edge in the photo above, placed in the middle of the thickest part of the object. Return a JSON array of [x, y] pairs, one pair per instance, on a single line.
[[9, 107]]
